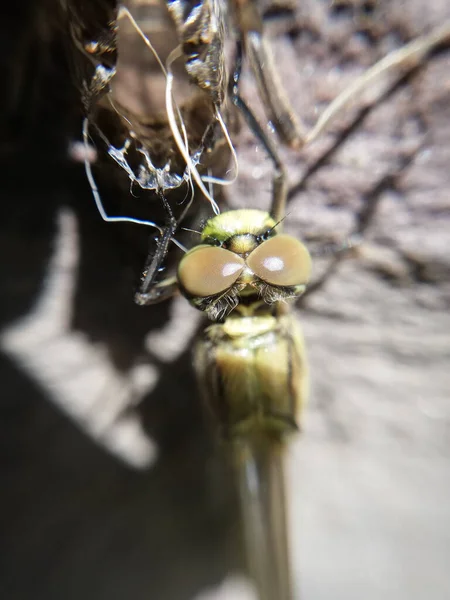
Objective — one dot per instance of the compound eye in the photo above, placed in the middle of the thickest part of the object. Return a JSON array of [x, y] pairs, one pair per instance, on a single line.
[[208, 270], [281, 260]]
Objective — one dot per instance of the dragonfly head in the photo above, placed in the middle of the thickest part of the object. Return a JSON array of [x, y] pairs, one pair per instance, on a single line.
[[241, 256]]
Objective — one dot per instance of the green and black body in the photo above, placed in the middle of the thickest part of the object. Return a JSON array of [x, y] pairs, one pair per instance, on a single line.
[[252, 371]]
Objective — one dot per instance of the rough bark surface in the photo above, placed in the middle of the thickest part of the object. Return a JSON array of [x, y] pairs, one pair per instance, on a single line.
[[110, 488]]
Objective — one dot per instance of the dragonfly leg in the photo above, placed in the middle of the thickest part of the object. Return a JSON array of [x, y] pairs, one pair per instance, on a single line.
[[279, 187], [395, 64], [271, 90], [152, 289]]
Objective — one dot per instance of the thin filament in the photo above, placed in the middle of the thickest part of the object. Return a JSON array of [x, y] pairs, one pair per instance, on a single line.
[[182, 146], [97, 199], [218, 180], [123, 11], [408, 56]]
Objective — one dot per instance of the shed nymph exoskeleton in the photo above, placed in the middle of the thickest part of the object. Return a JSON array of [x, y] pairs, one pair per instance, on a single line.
[[159, 102]]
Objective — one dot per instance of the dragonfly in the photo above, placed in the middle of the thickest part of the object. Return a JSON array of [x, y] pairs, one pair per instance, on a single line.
[[244, 272]]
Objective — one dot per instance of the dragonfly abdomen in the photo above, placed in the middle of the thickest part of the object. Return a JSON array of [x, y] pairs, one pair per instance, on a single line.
[[253, 374]]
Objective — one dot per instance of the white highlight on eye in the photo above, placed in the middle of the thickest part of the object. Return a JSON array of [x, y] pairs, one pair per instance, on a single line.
[[231, 268], [273, 263]]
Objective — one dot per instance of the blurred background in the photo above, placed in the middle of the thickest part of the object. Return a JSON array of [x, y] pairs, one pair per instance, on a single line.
[[111, 487]]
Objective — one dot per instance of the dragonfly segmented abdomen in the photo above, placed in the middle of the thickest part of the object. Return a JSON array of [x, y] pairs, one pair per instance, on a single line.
[[253, 374]]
